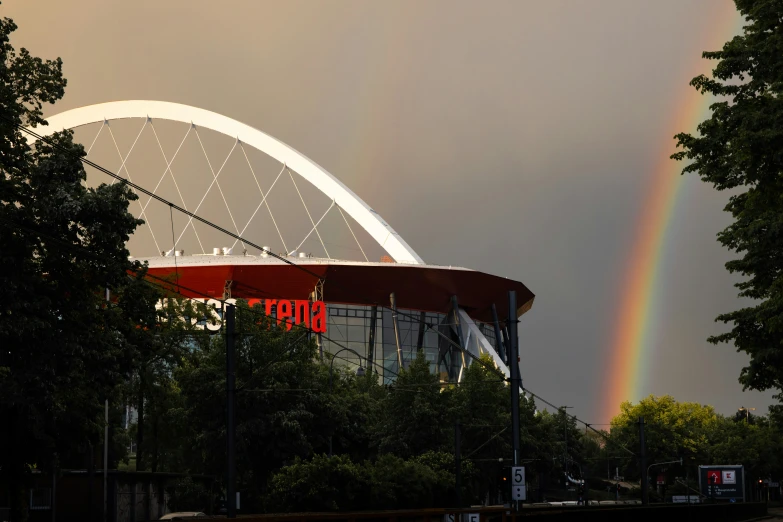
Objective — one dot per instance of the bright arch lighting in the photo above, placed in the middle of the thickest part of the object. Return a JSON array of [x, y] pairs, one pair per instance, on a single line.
[[329, 185]]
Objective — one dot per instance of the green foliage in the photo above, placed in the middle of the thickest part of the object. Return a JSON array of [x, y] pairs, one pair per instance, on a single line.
[[757, 447], [672, 429], [697, 434], [64, 350], [740, 147], [187, 494], [321, 484], [413, 414], [337, 483]]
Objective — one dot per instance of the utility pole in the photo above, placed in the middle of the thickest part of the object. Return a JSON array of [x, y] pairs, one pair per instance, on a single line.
[[231, 499], [458, 463], [106, 443], [513, 365], [106, 462], [565, 436], [643, 463]]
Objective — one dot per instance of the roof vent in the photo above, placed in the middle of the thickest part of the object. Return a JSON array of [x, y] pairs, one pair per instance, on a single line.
[[265, 251], [302, 255], [179, 253], [216, 251], [226, 251]]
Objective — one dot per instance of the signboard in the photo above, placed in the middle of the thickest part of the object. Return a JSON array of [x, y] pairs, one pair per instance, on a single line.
[[685, 499], [661, 479], [518, 491], [286, 313], [722, 482], [464, 517]]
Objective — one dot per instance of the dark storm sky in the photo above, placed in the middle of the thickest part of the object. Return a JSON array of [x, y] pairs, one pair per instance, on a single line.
[[518, 138]]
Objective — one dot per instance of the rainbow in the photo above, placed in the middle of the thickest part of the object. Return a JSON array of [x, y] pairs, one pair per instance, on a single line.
[[635, 319]]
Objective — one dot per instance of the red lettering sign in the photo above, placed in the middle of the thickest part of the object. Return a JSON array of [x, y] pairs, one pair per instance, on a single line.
[[284, 313], [319, 317], [268, 304], [309, 314], [302, 313]]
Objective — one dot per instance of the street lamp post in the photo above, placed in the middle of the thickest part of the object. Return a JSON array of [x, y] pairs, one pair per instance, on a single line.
[[359, 373], [747, 413], [565, 438]]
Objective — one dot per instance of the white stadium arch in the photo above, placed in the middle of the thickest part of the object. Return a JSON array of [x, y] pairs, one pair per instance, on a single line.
[[330, 186]]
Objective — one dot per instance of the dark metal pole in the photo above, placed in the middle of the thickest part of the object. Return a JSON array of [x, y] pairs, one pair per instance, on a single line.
[[498, 339], [371, 341], [513, 364], [457, 322], [331, 370], [643, 462], [396, 330], [458, 463], [504, 332], [231, 498], [420, 339]]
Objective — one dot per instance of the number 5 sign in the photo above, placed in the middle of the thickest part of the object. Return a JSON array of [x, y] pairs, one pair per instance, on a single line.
[[518, 483]]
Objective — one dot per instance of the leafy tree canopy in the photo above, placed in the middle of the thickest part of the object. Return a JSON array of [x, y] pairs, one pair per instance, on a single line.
[[740, 147], [61, 244], [673, 429]]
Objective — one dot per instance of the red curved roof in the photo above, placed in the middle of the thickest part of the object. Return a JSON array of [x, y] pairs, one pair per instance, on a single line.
[[416, 287]]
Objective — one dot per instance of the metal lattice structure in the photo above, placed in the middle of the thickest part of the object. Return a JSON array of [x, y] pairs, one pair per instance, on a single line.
[[343, 200]]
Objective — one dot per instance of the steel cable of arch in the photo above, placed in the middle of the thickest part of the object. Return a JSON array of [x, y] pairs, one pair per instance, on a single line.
[[173, 178], [220, 189], [263, 198]]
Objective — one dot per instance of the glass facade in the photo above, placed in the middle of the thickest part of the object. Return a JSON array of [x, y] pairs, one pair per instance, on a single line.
[[369, 331], [351, 326]]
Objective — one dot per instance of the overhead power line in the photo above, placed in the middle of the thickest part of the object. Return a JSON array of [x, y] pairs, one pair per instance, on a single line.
[[237, 237]]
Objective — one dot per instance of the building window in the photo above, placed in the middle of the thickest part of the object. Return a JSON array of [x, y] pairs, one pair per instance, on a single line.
[[40, 498]]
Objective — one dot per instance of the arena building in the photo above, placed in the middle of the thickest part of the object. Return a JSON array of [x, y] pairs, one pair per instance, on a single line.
[[380, 314]]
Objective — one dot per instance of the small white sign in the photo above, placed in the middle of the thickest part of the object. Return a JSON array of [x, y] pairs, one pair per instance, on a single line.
[[518, 493], [518, 476], [683, 499], [729, 476], [472, 517]]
